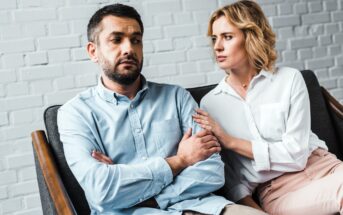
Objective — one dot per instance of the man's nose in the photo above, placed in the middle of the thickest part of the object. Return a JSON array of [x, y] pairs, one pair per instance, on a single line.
[[127, 47]]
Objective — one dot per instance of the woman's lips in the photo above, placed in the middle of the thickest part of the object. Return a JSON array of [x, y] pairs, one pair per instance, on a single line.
[[221, 58]]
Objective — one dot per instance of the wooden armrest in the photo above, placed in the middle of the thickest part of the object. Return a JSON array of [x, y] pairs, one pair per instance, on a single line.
[[51, 176], [334, 104]]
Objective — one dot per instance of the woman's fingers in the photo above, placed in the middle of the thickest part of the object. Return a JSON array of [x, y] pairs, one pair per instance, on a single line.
[[201, 112], [101, 157]]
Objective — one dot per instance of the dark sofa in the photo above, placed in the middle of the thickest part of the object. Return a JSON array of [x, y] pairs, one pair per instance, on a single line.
[[61, 194]]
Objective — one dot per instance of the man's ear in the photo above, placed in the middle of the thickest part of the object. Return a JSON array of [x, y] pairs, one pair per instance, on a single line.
[[92, 51]]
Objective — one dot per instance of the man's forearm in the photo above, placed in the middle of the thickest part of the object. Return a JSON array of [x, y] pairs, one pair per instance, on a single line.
[[176, 164]]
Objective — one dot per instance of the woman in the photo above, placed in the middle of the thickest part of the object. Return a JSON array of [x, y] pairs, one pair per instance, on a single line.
[[261, 115]]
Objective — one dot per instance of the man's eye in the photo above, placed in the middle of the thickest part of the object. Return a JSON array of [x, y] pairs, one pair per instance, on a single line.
[[116, 40], [136, 41]]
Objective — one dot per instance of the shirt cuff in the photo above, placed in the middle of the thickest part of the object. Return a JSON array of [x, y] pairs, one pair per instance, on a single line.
[[261, 156], [238, 192], [160, 171]]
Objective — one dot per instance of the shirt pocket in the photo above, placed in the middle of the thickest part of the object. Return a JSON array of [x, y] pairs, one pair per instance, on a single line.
[[167, 135], [272, 121]]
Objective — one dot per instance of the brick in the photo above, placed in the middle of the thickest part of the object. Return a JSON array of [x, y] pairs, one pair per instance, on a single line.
[[11, 31], [34, 29], [40, 72], [29, 15], [32, 201], [168, 57], [315, 6], [338, 38], [285, 9], [201, 41], [28, 3], [269, 10], [58, 42], [23, 188], [150, 72], [168, 70], [322, 73], [79, 54], [41, 86], [303, 42], [328, 83], [163, 19], [5, 17], [79, 26], [320, 52], [60, 28], [153, 33], [315, 18], [60, 97], [3, 118], [58, 56], [205, 66], [284, 21], [331, 28], [319, 63], [285, 33], [83, 12], [86, 80], [300, 8], [335, 50], [316, 30], [3, 193], [339, 60], [8, 177], [330, 5], [27, 173], [35, 211], [181, 31], [193, 80], [214, 77], [289, 55], [21, 116], [81, 67], [158, 7], [336, 72], [21, 45], [301, 31], [337, 93], [201, 16], [163, 45], [8, 4], [281, 45], [36, 58], [305, 54], [17, 89], [2, 90], [24, 144], [12, 61], [325, 40], [20, 161], [188, 68], [11, 205], [17, 103], [7, 76], [183, 18], [148, 48], [199, 54], [64, 83], [337, 16], [193, 5]]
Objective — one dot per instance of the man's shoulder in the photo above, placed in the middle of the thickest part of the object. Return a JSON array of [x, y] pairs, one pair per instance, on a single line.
[[166, 88], [79, 101]]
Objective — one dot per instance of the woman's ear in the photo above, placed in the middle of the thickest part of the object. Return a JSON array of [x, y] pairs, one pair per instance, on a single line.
[[92, 51]]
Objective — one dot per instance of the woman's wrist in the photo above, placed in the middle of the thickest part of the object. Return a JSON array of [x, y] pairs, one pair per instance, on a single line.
[[226, 139]]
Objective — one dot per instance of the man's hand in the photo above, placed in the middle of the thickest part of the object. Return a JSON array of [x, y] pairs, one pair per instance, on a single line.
[[193, 149]]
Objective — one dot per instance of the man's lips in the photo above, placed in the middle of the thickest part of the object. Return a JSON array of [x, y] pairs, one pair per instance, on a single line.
[[128, 62], [221, 58]]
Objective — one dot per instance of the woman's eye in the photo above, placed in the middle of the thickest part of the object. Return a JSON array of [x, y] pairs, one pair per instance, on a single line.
[[228, 37], [213, 39]]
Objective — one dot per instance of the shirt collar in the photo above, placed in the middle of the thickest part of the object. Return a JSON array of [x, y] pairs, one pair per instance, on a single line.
[[223, 86], [114, 97]]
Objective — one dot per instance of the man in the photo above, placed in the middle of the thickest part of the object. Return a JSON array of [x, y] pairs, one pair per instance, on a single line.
[[129, 142]]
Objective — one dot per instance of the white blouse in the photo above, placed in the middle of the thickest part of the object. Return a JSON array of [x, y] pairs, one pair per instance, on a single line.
[[275, 117]]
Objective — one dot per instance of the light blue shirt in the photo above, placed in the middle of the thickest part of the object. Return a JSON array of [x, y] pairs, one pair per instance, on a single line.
[[137, 135]]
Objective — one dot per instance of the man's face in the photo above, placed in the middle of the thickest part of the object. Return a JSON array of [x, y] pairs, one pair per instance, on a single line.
[[119, 49]]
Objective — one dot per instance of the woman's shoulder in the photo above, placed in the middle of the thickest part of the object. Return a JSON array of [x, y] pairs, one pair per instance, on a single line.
[[287, 73]]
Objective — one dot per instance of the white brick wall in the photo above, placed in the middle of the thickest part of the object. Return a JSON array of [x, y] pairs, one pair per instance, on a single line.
[[43, 62]]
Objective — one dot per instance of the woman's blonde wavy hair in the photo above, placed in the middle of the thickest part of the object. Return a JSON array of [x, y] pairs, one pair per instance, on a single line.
[[259, 37]]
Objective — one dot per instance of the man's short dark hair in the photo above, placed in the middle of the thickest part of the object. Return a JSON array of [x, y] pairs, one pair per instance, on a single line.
[[118, 10]]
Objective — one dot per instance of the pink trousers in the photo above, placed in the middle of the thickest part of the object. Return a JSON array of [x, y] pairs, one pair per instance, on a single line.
[[318, 189]]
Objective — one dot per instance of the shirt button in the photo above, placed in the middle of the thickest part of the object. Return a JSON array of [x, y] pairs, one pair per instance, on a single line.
[[131, 106], [138, 130], [144, 158], [140, 200]]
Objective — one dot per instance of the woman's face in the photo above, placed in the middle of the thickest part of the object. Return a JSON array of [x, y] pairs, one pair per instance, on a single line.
[[228, 44]]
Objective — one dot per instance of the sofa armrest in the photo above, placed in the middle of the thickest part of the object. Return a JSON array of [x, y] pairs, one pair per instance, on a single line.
[[51, 176]]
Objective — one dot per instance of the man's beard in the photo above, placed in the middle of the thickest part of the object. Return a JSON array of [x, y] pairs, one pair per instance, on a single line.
[[127, 77]]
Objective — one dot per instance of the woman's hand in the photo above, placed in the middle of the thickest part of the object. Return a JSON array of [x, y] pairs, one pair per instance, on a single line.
[[206, 122]]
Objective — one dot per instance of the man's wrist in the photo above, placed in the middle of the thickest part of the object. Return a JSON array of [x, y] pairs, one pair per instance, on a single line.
[[177, 164]]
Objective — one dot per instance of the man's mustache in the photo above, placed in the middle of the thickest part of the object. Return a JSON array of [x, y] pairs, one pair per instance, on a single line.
[[128, 59]]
